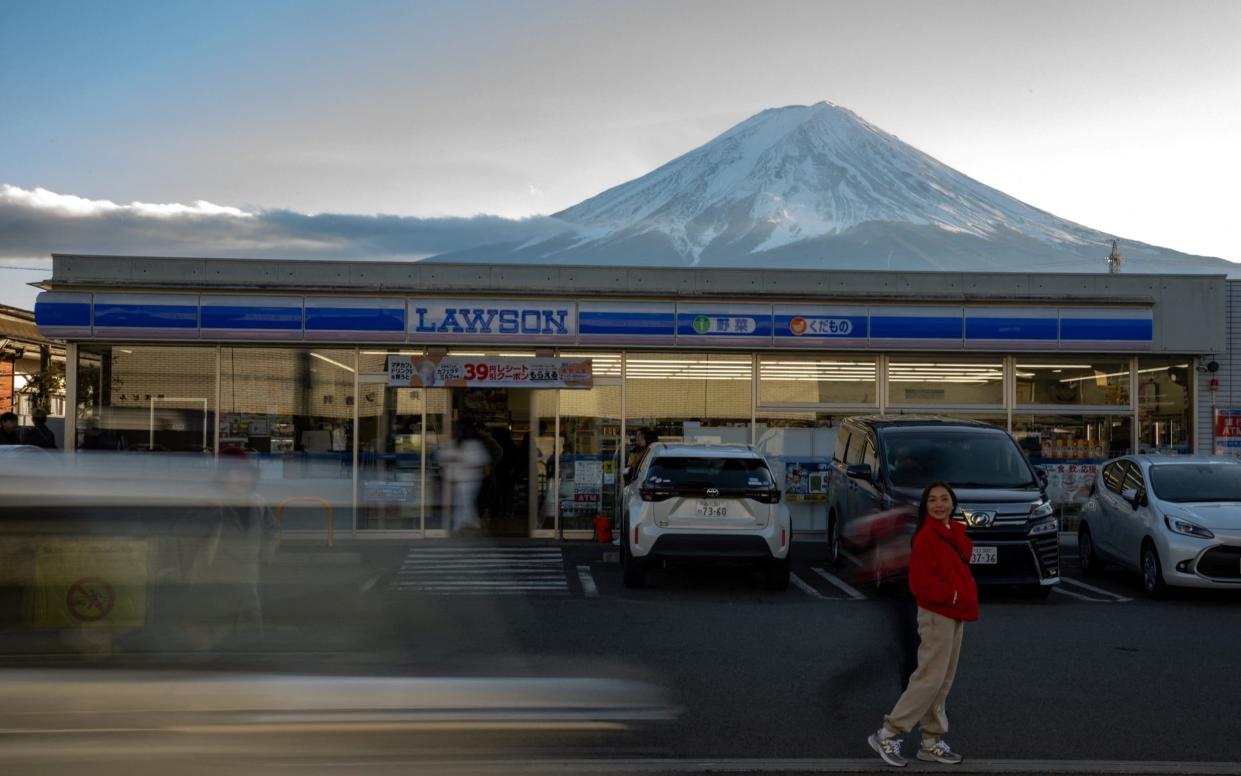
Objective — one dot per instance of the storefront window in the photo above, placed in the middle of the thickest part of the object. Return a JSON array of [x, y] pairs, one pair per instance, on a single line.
[[798, 447], [690, 397], [935, 381], [1100, 382], [389, 442], [293, 409], [589, 466], [146, 398], [1070, 449], [827, 380], [1164, 406]]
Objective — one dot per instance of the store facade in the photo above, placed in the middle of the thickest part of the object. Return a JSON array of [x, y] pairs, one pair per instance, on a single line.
[[348, 380]]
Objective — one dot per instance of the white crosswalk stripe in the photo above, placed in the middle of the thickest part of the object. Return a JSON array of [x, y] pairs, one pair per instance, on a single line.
[[473, 570]]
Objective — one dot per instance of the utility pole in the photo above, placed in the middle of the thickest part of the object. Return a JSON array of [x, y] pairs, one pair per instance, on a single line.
[[1114, 259]]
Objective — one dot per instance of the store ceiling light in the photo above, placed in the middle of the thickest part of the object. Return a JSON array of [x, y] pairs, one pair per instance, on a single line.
[[333, 362]]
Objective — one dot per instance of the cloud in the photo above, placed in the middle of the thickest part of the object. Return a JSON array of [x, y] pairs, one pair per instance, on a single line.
[[39, 222]]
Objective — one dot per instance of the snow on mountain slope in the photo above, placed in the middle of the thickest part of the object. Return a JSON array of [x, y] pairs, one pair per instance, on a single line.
[[795, 173]]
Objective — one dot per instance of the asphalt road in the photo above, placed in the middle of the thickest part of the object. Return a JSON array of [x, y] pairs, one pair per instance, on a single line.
[[1093, 679]]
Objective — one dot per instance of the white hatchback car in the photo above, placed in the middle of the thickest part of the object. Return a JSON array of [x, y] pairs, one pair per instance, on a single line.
[[1174, 519], [704, 502]]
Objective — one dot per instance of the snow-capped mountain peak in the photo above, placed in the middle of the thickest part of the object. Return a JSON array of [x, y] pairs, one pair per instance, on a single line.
[[800, 172], [818, 186]]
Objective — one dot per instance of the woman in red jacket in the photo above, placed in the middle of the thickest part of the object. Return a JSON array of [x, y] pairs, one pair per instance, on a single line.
[[943, 585]]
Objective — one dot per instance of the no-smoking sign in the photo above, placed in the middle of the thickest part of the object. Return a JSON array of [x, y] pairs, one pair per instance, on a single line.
[[90, 599]]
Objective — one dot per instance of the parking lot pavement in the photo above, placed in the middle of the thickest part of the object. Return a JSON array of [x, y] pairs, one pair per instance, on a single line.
[[589, 570], [813, 579]]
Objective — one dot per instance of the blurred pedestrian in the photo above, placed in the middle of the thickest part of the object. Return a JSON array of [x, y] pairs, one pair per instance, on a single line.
[[879, 544], [230, 542], [8, 429], [39, 435], [947, 597], [464, 464]]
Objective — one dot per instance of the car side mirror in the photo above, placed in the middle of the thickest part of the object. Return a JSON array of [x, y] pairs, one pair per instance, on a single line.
[[1042, 476], [859, 471], [1135, 497]]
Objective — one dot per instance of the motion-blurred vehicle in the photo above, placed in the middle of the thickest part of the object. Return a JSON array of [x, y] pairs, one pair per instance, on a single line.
[[1175, 520], [704, 502], [881, 463]]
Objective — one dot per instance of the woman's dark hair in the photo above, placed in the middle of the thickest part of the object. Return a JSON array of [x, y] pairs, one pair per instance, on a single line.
[[926, 496], [649, 435]]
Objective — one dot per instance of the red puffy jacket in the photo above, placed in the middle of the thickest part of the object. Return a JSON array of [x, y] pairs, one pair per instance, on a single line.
[[939, 570]]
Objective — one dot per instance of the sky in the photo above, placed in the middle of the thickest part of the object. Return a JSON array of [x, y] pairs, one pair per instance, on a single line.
[[1122, 116]]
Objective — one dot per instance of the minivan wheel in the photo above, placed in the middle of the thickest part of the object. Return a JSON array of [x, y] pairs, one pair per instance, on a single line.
[[833, 541], [776, 574], [1086, 554], [1152, 572], [635, 571]]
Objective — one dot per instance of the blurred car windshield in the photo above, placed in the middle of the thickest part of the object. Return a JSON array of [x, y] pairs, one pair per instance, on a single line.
[[964, 458], [709, 471], [1185, 482]]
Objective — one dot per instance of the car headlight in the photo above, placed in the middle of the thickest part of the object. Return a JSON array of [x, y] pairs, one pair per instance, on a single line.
[[1177, 525], [1045, 527], [1042, 510]]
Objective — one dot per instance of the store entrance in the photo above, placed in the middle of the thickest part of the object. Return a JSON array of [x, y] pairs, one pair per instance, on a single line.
[[457, 461], [512, 426]]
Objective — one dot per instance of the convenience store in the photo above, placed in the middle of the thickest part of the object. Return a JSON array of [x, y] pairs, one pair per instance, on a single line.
[[346, 378]]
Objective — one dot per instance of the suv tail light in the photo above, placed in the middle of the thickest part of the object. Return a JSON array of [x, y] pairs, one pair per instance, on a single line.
[[771, 496], [649, 493]]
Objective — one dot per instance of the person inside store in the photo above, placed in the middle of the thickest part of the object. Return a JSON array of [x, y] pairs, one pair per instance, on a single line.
[[8, 429], [39, 435], [642, 439], [947, 597]]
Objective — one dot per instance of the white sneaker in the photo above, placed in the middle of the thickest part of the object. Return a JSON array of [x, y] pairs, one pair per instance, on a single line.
[[888, 748], [938, 751]]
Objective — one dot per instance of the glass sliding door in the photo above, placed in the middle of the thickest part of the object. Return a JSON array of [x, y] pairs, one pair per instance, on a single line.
[[292, 409]]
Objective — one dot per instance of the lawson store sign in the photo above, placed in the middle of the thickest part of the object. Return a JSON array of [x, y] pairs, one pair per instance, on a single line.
[[433, 321]]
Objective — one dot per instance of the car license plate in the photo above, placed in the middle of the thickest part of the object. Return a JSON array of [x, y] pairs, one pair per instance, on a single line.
[[712, 509], [984, 556]]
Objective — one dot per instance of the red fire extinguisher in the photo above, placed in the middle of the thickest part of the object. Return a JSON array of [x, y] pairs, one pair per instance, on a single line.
[[603, 529]]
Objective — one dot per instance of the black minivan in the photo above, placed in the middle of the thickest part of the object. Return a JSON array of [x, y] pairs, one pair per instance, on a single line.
[[881, 463]]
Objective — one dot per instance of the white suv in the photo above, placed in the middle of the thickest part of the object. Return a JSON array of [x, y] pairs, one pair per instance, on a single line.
[[704, 502]]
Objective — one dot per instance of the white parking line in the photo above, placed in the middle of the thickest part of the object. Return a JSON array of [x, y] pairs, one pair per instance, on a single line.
[[804, 587], [588, 582], [840, 583], [1093, 589], [1081, 597]]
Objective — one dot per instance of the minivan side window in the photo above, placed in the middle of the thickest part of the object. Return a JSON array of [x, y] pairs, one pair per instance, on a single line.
[[869, 458], [1114, 476], [857, 449], [842, 444]]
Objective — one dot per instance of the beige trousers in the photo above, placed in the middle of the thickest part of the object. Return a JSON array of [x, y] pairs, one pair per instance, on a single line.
[[923, 700]]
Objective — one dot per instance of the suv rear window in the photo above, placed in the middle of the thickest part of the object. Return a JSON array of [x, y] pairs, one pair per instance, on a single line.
[[723, 473]]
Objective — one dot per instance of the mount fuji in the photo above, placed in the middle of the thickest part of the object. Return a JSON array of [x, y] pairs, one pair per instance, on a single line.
[[818, 186]]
